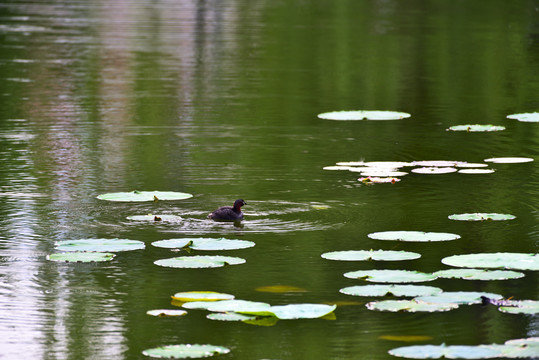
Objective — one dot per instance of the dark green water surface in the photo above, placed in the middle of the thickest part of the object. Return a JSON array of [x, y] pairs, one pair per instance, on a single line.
[[219, 99]]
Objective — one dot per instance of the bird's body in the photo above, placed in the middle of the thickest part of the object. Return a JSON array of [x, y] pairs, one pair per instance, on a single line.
[[228, 213]]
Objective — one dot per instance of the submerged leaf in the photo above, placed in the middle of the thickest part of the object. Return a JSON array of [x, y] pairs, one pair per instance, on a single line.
[[144, 196], [405, 338], [281, 289], [416, 236], [187, 351], [99, 245], [81, 257], [377, 255], [199, 261], [515, 261], [364, 115]]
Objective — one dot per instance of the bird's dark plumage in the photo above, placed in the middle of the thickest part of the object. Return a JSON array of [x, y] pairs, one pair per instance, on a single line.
[[229, 213]]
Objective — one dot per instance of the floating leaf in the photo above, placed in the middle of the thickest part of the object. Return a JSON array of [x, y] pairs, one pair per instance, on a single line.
[[405, 338], [481, 217], [525, 117], [99, 245], [377, 255], [199, 261], [364, 115], [522, 307], [144, 196], [457, 297], [382, 173], [434, 170], [476, 171], [416, 236], [187, 351], [408, 306], [302, 311], [351, 163], [230, 316], [444, 351], [476, 128], [378, 180], [515, 261], [204, 244], [201, 296], [156, 218], [387, 164], [436, 163], [390, 276], [166, 312], [478, 274], [340, 167], [281, 289], [81, 257], [509, 160], [396, 290], [241, 306], [470, 165]]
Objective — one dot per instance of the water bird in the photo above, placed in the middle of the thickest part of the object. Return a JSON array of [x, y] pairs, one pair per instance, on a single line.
[[228, 213]]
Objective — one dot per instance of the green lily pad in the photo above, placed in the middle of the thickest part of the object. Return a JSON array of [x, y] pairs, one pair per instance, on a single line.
[[99, 245], [476, 171], [514, 261], [395, 290], [481, 217], [521, 307], [204, 244], [377, 255], [434, 170], [199, 261], [390, 276], [230, 316], [408, 306], [201, 296], [166, 312], [302, 311], [476, 128], [415, 236], [364, 115], [187, 351], [81, 257], [241, 306], [156, 218], [444, 351], [144, 196], [457, 297], [509, 160], [478, 274], [525, 117]]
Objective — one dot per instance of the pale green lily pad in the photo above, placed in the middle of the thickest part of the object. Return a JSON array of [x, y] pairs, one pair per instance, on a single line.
[[478, 274], [514, 261], [209, 244], [408, 306], [99, 245], [186, 351], [377, 255], [378, 180], [364, 115], [434, 170], [197, 305], [166, 312], [521, 307], [230, 316], [476, 171], [188, 296], [339, 167], [387, 164], [415, 236], [395, 290], [390, 276], [457, 297], [481, 217], [470, 165], [436, 163], [156, 218], [302, 311], [476, 128], [81, 257], [525, 117], [144, 196], [444, 351], [509, 160], [241, 306], [199, 261], [382, 173]]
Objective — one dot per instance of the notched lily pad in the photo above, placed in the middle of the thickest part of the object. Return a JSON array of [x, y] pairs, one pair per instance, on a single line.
[[144, 196], [395, 290], [166, 312], [415, 236], [364, 115], [478, 274], [481, 217], [514, 261], [208, 244], [377, 255], [186, 351], [99, 245], [390, 276], [81, 257], [155, 218], [434, 170], [241, 306], [457, 297], [188, 296], [199, 261], [509, 160], [525, 117], [476, 128], [408, 306], [444, 351], [302, 311]]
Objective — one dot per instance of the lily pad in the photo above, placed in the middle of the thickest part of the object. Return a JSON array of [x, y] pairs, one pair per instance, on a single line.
[[525, 117], [166, 312], [377, 255], [509, 160], [339, 167], [408, 306], [414, 236], [514, 261], [457, 297], [364, 115], [199, 261], [436, 163], [378, 180], [470, 165], [390, 276], [156, 218], [395, 290], [476, 171], [382, 173], [81, 257], [201, 296], [230, 316], [478, 274], [209, 244], [302, 311], [434, 170], [144, 196], [481, 216], [476, 128], [187, 351], [521, 307], [241, 306], [388, 164], [99, 245], [444, 351]]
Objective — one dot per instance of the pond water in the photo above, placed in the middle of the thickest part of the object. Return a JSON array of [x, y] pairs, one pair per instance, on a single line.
[[220, 99]]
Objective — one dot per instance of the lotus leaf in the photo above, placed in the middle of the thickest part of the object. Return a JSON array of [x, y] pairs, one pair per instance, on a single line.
[[81, 257], [408, 306], [396, 290], [201, 296], [166, 312], [99, 245], [515, 261], [156, 218], [199, 261], [187, 351], [525, 117], [377, 255], [476, 171], [415, 236], [434, 170], [478, 274], [144, 196], [444, 351], [457, 297], [390, 276], [481, 216], [509, 160], [230, 316], [302, 311], [476, 128], [364, 115]]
